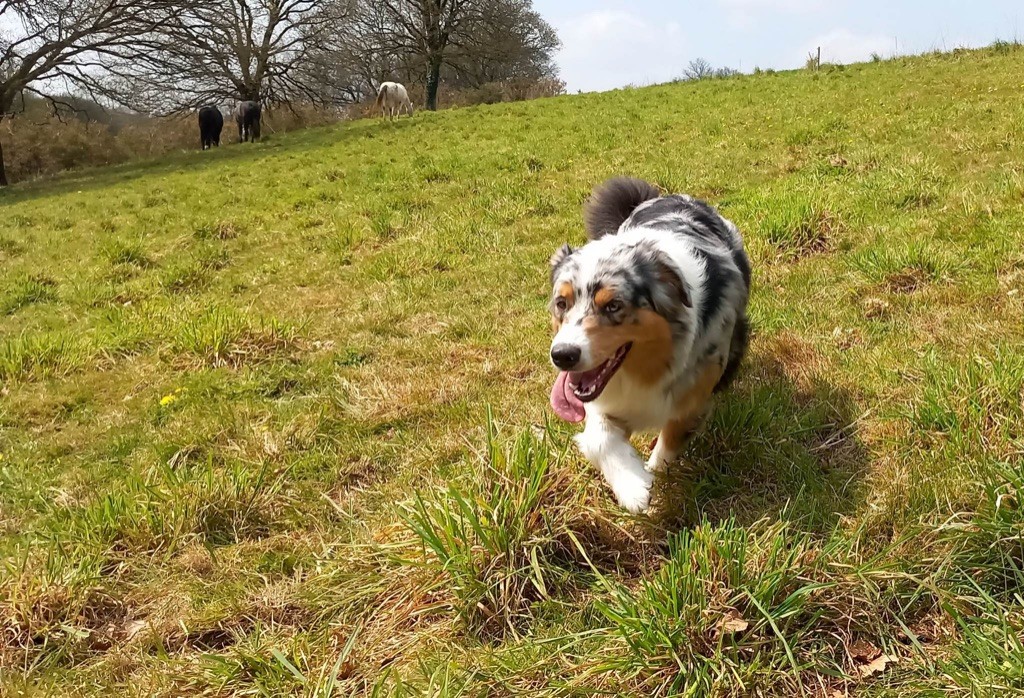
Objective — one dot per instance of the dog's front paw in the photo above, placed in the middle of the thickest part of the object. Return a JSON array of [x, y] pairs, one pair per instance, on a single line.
[[633, 492], [656, 463], [660, 459]]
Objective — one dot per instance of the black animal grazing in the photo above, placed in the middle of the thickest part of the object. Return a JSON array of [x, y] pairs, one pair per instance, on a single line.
[[247, 116], [211, 123]]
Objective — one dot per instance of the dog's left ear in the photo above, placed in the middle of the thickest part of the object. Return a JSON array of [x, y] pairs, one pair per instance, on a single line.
[[558, 258], [667, 290], [671, 279]]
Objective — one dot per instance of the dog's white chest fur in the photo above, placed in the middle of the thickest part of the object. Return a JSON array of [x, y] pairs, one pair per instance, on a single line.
[[638, 407]]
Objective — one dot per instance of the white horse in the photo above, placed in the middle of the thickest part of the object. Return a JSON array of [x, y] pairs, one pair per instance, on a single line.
[[392, 99]]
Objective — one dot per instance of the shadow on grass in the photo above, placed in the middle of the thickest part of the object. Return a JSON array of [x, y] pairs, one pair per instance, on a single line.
[[774, 448], [191, 161], [100, 177]]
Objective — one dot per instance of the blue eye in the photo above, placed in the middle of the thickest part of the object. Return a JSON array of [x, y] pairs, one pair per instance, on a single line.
[[613, 307]]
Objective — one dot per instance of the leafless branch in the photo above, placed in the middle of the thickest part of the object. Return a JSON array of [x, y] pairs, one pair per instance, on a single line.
[[52, 47]]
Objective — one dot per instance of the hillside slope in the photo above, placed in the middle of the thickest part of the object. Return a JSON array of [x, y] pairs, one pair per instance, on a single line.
[[273, 419]]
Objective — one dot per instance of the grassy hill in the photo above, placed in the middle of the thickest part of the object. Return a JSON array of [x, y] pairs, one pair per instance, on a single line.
[[273, 419]]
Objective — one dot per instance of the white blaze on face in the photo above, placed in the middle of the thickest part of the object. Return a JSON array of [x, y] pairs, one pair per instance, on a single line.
[[572, 334]]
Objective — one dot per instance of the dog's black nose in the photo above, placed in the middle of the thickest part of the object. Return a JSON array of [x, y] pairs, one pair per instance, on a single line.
[[565, 356]]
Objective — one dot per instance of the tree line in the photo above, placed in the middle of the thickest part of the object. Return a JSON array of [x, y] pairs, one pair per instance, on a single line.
[[162, 57]]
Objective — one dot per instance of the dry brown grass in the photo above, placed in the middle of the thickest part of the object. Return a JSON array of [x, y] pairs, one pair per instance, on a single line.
[[40, 145]]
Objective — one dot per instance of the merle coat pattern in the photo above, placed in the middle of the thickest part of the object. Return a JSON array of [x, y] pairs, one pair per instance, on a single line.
[[650, 321]]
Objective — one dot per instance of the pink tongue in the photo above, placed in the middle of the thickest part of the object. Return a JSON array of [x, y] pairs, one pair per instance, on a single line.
[[564, 402]]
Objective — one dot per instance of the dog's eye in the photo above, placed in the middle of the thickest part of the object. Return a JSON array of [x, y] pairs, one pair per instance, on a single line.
[[613, 307], [561, 304]]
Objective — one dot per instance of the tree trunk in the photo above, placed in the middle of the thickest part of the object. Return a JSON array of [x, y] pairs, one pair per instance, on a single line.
[[6, 100], [433, 81], [3, 168], [249, 93]]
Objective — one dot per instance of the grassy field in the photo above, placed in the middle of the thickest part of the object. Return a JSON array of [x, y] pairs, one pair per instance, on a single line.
[[274, 421]]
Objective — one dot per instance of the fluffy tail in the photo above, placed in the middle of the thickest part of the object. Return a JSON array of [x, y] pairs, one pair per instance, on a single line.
[[380, 95], [612, 202]]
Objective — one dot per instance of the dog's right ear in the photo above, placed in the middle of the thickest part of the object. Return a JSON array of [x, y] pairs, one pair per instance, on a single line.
[[558, 258]]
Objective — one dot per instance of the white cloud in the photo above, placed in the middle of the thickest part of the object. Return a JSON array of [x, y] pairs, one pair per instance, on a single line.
[[845, 46], [610, 48], [773, 5], [746, 13]]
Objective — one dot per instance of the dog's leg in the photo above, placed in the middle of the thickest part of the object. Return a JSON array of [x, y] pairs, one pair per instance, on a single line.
[[692, 409], [673, 439], [607, 446]]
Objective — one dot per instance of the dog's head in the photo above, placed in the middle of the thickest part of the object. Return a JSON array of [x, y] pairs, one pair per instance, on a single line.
[[615, 305]]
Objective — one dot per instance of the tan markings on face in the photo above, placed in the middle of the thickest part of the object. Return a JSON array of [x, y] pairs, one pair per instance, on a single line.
[[604, 297], [651, 336], [565, 291]]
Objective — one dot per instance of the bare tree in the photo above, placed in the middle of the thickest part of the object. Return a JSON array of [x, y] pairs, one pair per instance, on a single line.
[[274, 51], [465, 42], [425, 28], [369, 55], [50, 48], [503, 40], [698, 69]]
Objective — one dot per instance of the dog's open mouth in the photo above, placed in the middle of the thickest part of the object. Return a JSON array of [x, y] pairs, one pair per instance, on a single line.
[[573, 389]]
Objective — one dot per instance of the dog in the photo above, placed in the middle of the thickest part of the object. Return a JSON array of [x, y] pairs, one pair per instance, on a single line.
[[650, 322]]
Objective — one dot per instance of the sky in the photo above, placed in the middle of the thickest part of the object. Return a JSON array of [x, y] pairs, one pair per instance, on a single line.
[[613, 43]]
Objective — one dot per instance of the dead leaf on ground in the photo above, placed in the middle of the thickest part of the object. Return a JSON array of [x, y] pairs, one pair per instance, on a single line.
[[864, 651], [877, 665], [730, 624], [134, 628]]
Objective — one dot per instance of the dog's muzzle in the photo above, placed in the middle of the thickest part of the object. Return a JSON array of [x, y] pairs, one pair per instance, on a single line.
[[565, 356]]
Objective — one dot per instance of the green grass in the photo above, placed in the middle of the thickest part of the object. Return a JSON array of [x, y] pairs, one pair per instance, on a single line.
[[273, 419]]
